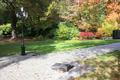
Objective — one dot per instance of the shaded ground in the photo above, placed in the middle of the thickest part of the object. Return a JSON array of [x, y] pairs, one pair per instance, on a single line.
[[39, 67]]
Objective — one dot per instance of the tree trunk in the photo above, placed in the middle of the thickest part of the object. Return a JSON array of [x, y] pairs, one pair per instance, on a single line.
[[13, 34], [13, 24]]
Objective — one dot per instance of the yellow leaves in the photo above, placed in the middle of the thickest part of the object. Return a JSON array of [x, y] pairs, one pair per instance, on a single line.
[[107, 28], [99, 33], [85, 26], [50, 8]]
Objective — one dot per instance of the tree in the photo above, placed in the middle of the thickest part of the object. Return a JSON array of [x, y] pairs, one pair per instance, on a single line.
[[42, 14], [91, 15], [87, 14], [113, 10], [11, 6], [2, 12]]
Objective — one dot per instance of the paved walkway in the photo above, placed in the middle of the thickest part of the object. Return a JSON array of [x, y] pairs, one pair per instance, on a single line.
[[39, 67]]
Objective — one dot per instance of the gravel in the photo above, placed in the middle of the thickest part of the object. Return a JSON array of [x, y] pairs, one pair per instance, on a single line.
[[31, 67]]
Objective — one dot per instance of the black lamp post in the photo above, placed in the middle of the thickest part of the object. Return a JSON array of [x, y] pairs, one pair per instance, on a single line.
[[21, 14]]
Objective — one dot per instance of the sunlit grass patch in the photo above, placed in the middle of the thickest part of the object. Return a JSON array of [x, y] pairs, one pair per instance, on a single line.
[[106, 67], [48, 46]]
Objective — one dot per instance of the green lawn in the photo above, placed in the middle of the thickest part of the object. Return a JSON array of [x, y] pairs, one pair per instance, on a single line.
[[107, 68], [43, 47]]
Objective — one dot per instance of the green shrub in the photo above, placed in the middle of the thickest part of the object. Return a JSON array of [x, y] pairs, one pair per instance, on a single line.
[[108, 27], [40, 37], [5, 29], [66, 31]]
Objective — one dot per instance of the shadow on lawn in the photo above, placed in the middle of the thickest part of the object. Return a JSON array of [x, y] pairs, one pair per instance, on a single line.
[[13, 48], [41, 47], [48, 46], [45, 47], [90, 43], [33, 53]]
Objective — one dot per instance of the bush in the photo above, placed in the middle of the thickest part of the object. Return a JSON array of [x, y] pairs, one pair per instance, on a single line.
[[40, 37], [87, 35], [5, 29], [108, 27], [66, 31], [100, 33]]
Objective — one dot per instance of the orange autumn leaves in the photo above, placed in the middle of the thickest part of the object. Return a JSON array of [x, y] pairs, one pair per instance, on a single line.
[[113, 11]]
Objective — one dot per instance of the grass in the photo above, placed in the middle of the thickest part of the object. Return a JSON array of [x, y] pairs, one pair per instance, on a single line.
[[107, 68], [43, 47]]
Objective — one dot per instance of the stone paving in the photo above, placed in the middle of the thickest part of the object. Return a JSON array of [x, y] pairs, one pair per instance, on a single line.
[[39, 67]]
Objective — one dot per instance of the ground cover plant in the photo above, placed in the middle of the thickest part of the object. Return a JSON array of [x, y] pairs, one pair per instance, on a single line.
[[43, 47], [107, 68]]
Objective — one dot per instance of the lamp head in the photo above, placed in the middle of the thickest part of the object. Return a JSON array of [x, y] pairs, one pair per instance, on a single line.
[[22, 9], [22, 14], [10, 1]]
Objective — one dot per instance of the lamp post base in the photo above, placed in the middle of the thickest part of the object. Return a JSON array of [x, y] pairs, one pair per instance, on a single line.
[[23, 50]]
